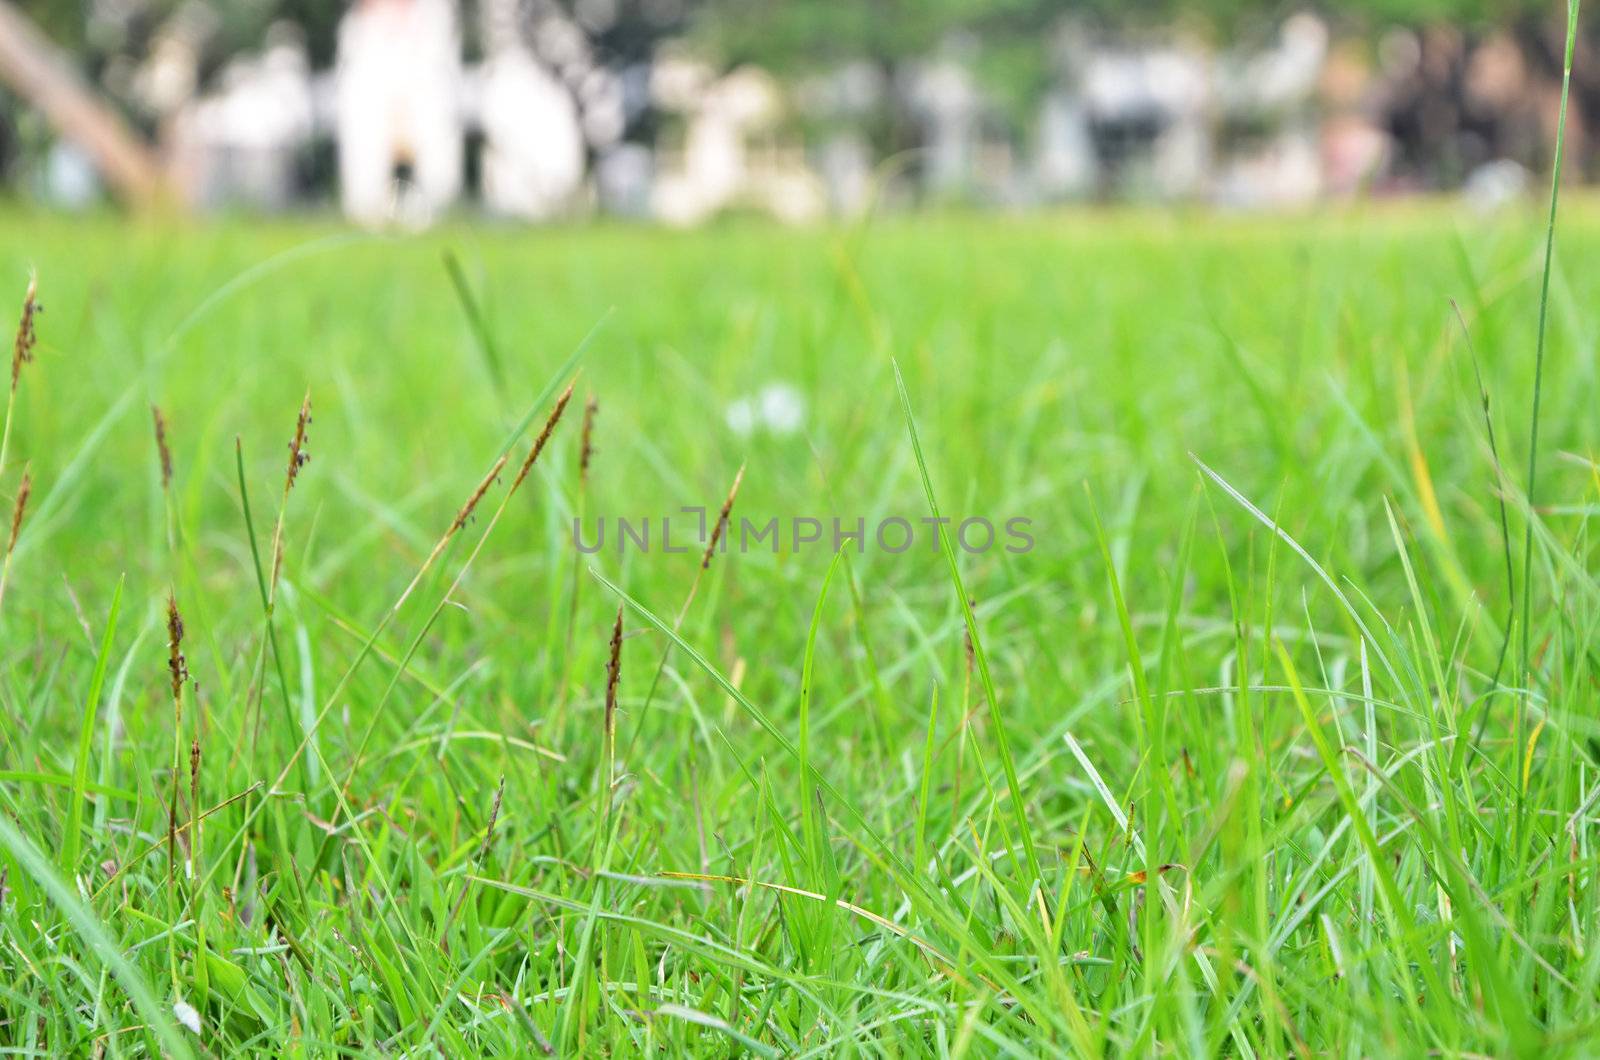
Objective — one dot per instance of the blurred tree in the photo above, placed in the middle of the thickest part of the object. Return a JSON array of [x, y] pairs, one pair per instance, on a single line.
[[1013, 55], [1009, 43], [44, 76]]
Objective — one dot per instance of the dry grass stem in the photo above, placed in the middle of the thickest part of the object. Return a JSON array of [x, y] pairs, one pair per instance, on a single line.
[[162, 448], [177, 665], [27, 333], [591, 408], [18, 510], [468, 508], [544, 436], [298, 456], [711, 546]]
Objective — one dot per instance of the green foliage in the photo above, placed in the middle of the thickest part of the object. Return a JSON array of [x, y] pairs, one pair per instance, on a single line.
[[1226, 702]]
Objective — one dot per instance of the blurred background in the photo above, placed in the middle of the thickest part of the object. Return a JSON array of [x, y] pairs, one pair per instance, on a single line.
[[406, 111]]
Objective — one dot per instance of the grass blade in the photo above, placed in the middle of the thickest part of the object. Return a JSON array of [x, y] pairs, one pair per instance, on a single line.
[[80, 769], [95, 937], [1002, 741]]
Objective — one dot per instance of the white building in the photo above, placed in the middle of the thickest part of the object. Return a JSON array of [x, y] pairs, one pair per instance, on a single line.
[[398, 88]]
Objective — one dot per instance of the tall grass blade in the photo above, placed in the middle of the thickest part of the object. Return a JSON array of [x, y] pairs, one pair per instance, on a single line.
[[1019, 809]]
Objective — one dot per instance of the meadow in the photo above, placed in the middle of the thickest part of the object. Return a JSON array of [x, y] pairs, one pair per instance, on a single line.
[[1269, 744]]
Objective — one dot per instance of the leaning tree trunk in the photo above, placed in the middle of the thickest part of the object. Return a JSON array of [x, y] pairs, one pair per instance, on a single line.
[[44, 76]]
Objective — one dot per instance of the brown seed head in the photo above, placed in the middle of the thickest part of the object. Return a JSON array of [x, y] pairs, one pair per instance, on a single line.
[[614, 674], [544, 436], [477, 495], [161, 446], [298, 456], [22, 352], [494, 815], [177, 665], [966, 639], [23, 490], [722, 520], [586, 453]]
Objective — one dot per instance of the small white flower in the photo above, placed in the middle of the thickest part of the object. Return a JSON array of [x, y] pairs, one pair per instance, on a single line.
[[782, 408], [777, 407], [187, 1015]]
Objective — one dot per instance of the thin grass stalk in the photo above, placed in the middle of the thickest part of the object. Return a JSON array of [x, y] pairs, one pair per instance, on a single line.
[[341, 792], [254, 812], [1019, 807], [256, 692], [21, 354], [878, 851], [164, 461], [299, 457], [711, 546], [591, 409], [694, 587], [178, 672], [462, 517], [1526, 657], [427, 564], [19, 509], [600, 856], [1505, 531], [483, 853], [195, 817], [613, 680], [1539, 344]]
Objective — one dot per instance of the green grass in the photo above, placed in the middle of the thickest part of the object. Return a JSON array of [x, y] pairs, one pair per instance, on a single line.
[[1229, 800]]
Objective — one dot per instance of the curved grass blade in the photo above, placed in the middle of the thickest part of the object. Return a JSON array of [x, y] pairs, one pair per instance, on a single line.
[[1002, 742], [95, 936], [80, 769]]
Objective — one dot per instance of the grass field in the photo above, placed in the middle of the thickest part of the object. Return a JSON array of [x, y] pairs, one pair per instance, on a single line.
[[1250, 754]]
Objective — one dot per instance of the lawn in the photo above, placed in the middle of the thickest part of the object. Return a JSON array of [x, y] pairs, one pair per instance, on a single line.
[[1250, 753]]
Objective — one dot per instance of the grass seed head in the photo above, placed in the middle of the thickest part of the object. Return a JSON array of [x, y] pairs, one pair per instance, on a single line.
[[722, 520], [161, 446], [17, 511], [477, 495], [586, 453], [494, 815], [544, 436], [614, 674], [177, 665], [298, 456], [966, 638], [27, 336]]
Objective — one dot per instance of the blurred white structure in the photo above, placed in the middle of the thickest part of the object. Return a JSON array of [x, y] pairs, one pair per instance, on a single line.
[[730, 155], [1064, 161], [398, 87], [241, 142], [70, 178], [1274, 125], [1149, 108], [1276, 89], [843, 103], [1495, 185], [533, 151], [533, 154], [944, 96]]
